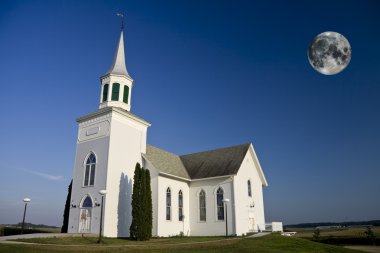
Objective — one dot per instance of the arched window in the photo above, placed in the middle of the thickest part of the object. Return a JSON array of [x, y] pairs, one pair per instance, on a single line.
[[105, 92], [219, 203], [87, 202], [180, 206], [89, 175], [249, 188], [202, 205], [115, 92], [126, 94], [168, 204]]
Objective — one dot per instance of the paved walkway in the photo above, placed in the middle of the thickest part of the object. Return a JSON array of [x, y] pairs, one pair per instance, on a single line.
[[372, 249], [5, 239], [52, 235], [259, 234]]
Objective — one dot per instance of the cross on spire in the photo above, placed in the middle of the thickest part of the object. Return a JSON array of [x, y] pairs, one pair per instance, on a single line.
[[122, 19]]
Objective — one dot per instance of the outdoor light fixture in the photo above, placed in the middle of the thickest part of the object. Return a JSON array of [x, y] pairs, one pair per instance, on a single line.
[[252, 205], [183, 224], [225, 201], [102, 193], [26, 201], [96, 203], [73, 205]]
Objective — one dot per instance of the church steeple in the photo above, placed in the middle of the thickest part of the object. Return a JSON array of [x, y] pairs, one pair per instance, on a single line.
[[118, 66], [117, 83]]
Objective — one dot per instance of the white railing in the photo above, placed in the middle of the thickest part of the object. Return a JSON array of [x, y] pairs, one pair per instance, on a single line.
[[270, 227]]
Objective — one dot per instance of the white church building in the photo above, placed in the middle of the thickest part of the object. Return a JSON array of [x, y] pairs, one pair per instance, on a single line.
[[188, 191]]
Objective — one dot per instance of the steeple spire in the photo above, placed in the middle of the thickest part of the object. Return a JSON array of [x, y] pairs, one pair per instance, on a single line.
[[118, 66]]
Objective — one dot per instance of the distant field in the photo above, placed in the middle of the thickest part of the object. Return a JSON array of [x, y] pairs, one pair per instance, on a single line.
[[16, 230], [349, 236], [267, 244], [350, 232]]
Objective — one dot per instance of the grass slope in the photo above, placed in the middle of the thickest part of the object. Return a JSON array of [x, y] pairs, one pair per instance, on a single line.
[[271, 243]]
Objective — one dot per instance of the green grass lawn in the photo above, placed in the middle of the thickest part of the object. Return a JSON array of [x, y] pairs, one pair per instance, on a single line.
[[270, 243], [114, 241]]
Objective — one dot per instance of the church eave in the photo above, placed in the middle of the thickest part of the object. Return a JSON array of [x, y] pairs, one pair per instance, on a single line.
[[173, 176], [130, 115], [258, 166], [117, 75], [107, 110], [211, 178]]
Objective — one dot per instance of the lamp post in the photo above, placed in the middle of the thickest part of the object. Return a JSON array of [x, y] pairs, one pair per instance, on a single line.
[[225, 201], [26, 201], [183, 224], [102, 193]]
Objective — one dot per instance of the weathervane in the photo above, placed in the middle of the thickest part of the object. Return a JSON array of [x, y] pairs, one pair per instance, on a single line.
[[122, 19]]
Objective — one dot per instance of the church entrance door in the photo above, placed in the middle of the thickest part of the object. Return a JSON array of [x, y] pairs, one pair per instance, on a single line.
[[251, 221], [85, 215], [251, 224], [85, 220]]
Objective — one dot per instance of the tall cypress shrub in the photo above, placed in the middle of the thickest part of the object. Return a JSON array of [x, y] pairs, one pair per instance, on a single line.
[[148, 206], [143, 223], [66, 212], [141, 227], [136, 203]]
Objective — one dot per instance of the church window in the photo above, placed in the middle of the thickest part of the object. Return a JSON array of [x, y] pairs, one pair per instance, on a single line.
[[180, 206], [220, 204], [249, 188], [87, 202], [168, 204], [89, 176], [115, 91], [126, 94], [105, 92], [202, 206]]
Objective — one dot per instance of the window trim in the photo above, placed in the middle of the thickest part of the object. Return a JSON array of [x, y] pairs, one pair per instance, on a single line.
[[249, 187], [216, 204], [168, 190], [180, 193], [113, 93], [89, 174], [199, 205], [105, 91], [83, 199], [126, 87]]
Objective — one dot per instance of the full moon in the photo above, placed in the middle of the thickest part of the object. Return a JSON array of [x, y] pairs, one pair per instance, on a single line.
[[329, 53]]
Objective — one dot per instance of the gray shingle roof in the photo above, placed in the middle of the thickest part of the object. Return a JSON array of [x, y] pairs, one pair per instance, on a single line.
[[212, 163], [166, 162]]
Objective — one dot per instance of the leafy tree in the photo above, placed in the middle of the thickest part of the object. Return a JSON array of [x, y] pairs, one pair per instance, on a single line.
[[370, 234], [66, 212], [316, 234]]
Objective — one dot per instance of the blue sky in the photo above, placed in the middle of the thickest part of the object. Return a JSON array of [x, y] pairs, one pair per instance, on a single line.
[[207, 74]]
